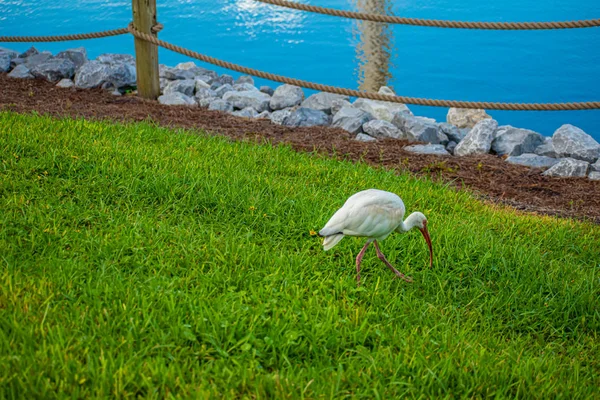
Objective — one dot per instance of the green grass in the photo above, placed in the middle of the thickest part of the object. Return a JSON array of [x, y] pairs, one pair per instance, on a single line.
[[140, 261]]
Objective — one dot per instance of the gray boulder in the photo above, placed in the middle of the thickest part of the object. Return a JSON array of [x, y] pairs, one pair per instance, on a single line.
[[251, 98], [338, 104], [380, 109], [11, 53], [451, 146], [200, 84], [453, 133], [77, 56], [465, 117], [5, 62], [116, 59], [279, 116], [220, 105], [419, 129], [21, 71], [532, 160], [176, 73], [54, 69], [546, 149], [243, 87], [594, 176], [351, 119], [479, 140], [267, 90], [224, 79], [379, 128], [286, 96], [32, 51], [99, 74], [176, 99], [205, 94], [247, 112], [220, 92], [65, 83], [185, 86], [435, 149], [361, 137], [306, 117], [568, 167], [36, 59], [570, 141], [595, 166], [205, 102], [263, 115], [323, 101], [515, 141], [245, 79]]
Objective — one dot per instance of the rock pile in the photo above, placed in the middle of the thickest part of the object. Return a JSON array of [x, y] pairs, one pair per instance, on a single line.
[[569, 152]]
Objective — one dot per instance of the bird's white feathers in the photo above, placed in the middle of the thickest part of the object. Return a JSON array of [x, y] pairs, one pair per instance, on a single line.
[[370, 213]]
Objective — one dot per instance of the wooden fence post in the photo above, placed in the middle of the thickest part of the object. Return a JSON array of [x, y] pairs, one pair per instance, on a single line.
[[146, 54]]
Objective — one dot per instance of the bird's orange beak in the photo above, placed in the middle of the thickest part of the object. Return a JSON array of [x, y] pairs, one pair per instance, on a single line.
[[425, 233]]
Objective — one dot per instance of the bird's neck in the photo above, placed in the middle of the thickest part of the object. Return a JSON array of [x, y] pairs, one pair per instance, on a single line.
[[410, 222]]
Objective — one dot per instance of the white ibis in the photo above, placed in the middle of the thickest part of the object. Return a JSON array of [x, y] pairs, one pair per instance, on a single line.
[[373, 214]]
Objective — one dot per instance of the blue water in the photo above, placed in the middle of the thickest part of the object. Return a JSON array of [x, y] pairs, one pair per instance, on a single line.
[[522, 66]]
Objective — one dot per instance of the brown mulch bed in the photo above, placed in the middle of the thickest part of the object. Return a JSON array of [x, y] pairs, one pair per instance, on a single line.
[[488, 176]]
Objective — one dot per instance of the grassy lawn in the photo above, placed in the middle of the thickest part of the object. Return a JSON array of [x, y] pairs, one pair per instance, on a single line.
[[140, 261]]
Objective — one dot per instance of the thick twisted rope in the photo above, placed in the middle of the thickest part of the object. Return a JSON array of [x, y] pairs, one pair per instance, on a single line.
[[373, 96], [390, 19], [65, 38]]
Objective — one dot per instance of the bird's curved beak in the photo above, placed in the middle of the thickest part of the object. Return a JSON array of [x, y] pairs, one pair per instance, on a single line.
[[425, 233]]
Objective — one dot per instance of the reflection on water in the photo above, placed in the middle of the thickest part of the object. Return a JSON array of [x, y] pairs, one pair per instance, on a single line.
[[258, 18], [374, 46]]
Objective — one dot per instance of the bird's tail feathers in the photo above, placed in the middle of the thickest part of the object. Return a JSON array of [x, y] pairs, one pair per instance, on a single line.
[[331, 241]]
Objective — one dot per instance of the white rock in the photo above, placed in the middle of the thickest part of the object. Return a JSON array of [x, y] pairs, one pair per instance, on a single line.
[[263, 115], [5, 62], [351, 119], [532, 160], [465, 117], [568, 167], [65, 83], [479, 139], [324, 101], [380, 109], [435, 149], [116, 59], [243, 87], [515, 141], [286, 96], [200, 84], [361, 137], [176, 99], [595, 166], [570, 141], [378, 128], [252, 98]]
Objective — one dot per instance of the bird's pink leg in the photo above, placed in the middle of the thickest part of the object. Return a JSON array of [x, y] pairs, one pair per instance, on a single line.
[[359, 258], [382, 258]]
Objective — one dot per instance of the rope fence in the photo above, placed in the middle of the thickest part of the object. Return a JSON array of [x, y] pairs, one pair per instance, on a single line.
[[151, 38], [390, 19]]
